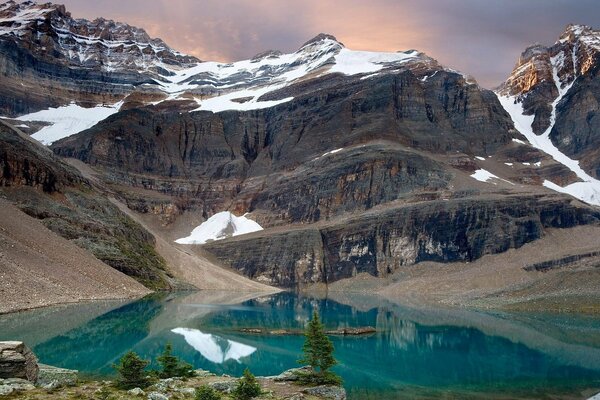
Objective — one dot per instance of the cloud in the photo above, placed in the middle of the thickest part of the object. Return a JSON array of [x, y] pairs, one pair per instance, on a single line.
[[481, 37]]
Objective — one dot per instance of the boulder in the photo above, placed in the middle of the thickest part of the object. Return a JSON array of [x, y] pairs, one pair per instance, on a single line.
[[157, 396], [14, 385], [18, 361], [55, 376], [224, 386], [291, 375], [327, 392], [136, 392]]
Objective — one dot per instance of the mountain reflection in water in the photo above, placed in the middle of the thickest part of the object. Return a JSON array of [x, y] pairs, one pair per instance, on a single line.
[[214, 348]]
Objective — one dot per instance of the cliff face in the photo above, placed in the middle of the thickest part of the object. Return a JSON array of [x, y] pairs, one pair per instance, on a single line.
[[381, 242], [343, 148]]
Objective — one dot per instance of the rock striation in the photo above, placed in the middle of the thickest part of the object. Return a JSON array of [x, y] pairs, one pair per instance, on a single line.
[[18, 361]]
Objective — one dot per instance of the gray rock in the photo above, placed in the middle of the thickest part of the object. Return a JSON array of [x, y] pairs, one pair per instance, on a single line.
[[63, 377], [136, 392], [224, 386], [200, 373], [187, 391], [13, 385], [157, 396], [52, 385], [17, 361], [5, 390], [327, 392], [291, 375]]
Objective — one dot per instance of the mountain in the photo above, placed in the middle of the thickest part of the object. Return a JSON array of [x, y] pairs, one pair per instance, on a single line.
[[50, 59], [355, 163], [553, 96]]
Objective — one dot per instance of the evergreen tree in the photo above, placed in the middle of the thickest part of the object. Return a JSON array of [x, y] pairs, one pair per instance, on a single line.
[[318, 353], [168, 362], [172, 365], [247, 387], [131, 372], [318, 348], [205, 392]]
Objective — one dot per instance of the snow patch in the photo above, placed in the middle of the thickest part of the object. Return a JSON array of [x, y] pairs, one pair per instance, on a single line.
[[350, 62], [480, 158], [518, 141], [68, 120], [483, 175], [220, 226]]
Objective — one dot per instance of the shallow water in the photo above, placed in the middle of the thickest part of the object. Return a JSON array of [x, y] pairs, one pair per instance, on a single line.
[[415, 353]]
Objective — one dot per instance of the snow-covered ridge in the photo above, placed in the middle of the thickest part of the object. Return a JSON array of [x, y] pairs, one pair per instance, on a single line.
[[589, 189], [102, 44], [220, 226], [240, 85]]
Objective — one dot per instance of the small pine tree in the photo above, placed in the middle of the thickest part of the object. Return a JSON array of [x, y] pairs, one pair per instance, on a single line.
[[247, 387], [172, 366], [318, 353], [131, 372], [205, 392], [168, 362]]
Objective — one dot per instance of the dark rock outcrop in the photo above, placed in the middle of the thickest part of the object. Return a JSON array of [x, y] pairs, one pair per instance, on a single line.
[[382, 241], [18, 361]]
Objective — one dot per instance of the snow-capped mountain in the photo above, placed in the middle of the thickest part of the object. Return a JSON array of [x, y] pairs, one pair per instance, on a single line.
[[542, 72], [541, 92], [243, 85], [50, 32]]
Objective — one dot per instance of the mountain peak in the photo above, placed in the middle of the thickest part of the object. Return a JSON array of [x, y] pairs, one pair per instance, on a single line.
[[320, 38], [48, 29]]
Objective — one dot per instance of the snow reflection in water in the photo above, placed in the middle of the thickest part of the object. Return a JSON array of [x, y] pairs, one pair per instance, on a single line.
[[214, 348]]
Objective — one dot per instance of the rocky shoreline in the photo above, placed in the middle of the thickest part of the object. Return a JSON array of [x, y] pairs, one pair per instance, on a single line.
[[21, 376]]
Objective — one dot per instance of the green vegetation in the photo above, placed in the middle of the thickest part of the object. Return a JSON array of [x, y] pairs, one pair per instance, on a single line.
[[205, 392], [247, 387], [132, 374], [172, 366], [318, 354]]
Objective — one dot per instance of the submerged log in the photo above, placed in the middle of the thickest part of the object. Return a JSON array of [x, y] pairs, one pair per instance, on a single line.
[[359, 331]]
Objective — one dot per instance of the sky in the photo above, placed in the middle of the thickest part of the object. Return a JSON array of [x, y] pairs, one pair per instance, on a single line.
[[482, 38]]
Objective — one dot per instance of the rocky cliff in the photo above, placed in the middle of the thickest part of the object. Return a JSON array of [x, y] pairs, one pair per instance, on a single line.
[[382, 241], [44, 187]]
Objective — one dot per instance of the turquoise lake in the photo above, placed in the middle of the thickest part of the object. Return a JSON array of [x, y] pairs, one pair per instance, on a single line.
[[416, 353]]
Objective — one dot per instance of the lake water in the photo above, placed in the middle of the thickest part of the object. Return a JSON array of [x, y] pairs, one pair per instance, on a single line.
[[416, 353]]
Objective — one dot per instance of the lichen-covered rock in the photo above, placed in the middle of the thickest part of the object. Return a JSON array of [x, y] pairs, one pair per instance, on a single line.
[[18, 361], [14, 385], [224, 386], [327, 392], [291, 375], [157, 396], [136, 392], [57, 376]]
